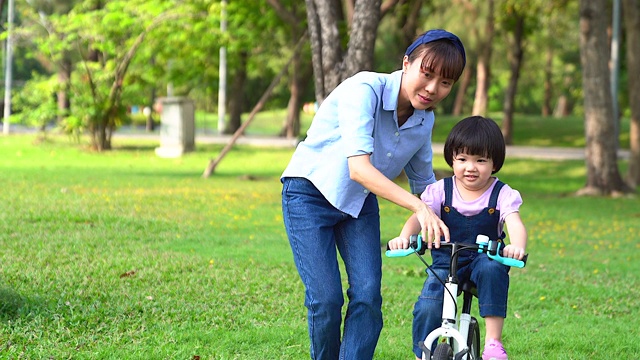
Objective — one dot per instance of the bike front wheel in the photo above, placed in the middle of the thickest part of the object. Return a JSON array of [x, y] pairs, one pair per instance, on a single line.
[[443, 352], [473, 339]]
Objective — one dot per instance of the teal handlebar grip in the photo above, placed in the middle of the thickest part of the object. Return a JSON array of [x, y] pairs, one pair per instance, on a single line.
[[484, 244], [415, 245], [507, 261]]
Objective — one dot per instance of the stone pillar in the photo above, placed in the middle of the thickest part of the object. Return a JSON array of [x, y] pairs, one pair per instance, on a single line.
[[177, 127]]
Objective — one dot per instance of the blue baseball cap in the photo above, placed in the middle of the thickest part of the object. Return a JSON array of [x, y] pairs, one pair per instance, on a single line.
[[438, 34]]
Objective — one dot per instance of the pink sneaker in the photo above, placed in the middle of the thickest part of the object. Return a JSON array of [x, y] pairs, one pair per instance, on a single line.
[[493, 350]]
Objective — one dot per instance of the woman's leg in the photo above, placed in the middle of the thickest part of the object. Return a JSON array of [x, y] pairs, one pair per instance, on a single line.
[[309, 220], [358, 241]]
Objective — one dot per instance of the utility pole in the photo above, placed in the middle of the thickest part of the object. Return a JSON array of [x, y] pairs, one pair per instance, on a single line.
[[222, 89], [8, 73]]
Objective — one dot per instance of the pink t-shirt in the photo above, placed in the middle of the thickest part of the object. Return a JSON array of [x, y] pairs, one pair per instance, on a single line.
[[509, 200]]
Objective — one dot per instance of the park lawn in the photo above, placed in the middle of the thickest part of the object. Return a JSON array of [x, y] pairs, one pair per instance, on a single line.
[[124, 255]]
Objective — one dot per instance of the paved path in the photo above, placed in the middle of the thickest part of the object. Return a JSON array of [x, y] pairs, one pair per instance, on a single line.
[[523, 152]]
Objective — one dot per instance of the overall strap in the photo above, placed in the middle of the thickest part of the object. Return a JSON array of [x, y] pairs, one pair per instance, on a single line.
[[493, 200], [448, 191]]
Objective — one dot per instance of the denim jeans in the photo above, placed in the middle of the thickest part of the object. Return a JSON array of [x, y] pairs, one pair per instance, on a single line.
[[317, 232], [491, 279]]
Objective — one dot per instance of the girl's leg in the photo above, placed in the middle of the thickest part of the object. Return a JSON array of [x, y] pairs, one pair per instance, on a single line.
[[309, 220], [492, 281], [493, 325], [358, 241]]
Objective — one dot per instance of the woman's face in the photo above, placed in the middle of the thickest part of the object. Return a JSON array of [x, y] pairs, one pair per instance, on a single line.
[[422, 89]]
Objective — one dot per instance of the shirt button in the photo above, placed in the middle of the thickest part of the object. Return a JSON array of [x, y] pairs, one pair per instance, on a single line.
[[397, 134], [366, 191], [388, 154]]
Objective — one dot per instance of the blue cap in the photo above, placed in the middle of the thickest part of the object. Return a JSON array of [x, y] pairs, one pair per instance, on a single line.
[[438, 34]]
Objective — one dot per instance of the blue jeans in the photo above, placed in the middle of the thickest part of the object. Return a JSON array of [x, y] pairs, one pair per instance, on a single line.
[[491, 279], [316, 229]]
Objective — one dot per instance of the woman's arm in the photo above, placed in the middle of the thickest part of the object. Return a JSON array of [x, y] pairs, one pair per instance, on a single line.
[[362, 171]]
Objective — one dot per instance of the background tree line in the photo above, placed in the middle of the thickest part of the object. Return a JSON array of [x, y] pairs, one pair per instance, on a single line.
[[83, 63]]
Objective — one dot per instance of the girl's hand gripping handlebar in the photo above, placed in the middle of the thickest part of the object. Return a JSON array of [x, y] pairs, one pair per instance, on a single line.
[[493, 249]]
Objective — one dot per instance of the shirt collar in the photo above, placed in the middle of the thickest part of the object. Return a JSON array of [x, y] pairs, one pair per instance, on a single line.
[[390, 99]]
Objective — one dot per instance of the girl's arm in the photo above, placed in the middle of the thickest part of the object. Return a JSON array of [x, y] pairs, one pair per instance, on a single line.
[[411, 227], [517, 237], [362, 171]]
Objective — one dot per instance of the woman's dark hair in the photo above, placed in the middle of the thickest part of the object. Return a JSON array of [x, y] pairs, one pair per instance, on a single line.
[[476, 135], [441, 57]]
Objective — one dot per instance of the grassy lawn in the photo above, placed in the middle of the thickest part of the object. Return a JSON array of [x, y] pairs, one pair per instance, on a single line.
[[125, 255]]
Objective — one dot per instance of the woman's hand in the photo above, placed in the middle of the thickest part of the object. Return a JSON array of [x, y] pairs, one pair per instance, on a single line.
[[433, 228]]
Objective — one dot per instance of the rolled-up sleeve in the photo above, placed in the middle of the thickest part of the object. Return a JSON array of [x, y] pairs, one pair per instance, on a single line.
[[356, 117], [419, 166]]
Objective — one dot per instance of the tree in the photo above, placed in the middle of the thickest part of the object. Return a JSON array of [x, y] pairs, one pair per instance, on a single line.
[[632, 26], [293, 15], [483, 68], [515, 23], [331, 63], [603, 176]]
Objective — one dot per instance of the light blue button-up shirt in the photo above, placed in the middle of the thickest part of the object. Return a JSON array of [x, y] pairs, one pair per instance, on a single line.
[[359, 117]]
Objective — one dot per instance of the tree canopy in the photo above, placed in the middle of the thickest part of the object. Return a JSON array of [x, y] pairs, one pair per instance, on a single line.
[[82, 64]]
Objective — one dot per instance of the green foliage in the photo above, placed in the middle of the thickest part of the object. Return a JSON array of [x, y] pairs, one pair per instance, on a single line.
[[35, 104], [130, 256]]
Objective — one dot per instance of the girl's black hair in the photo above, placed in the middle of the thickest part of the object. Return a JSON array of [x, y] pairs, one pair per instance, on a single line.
[[441, 57], [476, 135]]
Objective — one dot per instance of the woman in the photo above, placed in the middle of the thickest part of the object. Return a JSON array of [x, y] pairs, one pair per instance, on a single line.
[[370, 128]]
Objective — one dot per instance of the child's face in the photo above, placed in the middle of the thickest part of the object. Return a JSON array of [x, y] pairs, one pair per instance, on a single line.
[[473, 172], [423, 89]]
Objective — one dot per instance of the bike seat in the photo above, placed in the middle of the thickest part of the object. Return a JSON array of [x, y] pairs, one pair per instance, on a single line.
[[468, 287]]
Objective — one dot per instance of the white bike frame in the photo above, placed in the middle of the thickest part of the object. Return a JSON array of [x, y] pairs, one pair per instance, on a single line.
[[448, 329]]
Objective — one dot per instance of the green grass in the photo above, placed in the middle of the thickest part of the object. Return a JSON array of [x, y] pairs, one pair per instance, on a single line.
[[124, 255]]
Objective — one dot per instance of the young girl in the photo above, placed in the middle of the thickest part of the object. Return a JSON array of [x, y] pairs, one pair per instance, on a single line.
[[471, 202], [370, 128]]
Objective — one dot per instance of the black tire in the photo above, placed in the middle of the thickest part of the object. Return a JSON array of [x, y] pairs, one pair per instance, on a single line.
[[473, 339], [443, 352]]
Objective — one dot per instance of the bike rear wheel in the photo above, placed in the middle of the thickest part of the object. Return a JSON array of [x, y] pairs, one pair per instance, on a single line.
[[473, 339], [443, 352]]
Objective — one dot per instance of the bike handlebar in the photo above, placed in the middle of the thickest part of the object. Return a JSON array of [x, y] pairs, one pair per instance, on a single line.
[[493, 249]]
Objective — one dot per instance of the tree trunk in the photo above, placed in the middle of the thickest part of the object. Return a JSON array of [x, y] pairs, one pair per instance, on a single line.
[[300, 67], [548, 86], [64, 77], [603, 176], [236, 100], [461, 94], [330, 66], [149, 124], [515, 62], [632, 26], [410, 20], [301, 70], [483, 72]]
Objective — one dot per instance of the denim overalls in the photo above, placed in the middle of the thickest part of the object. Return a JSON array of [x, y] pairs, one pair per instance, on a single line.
[[490, 277]]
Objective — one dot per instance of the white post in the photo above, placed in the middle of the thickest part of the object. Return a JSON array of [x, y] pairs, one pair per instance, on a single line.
[[222, 89], [8, 73]]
